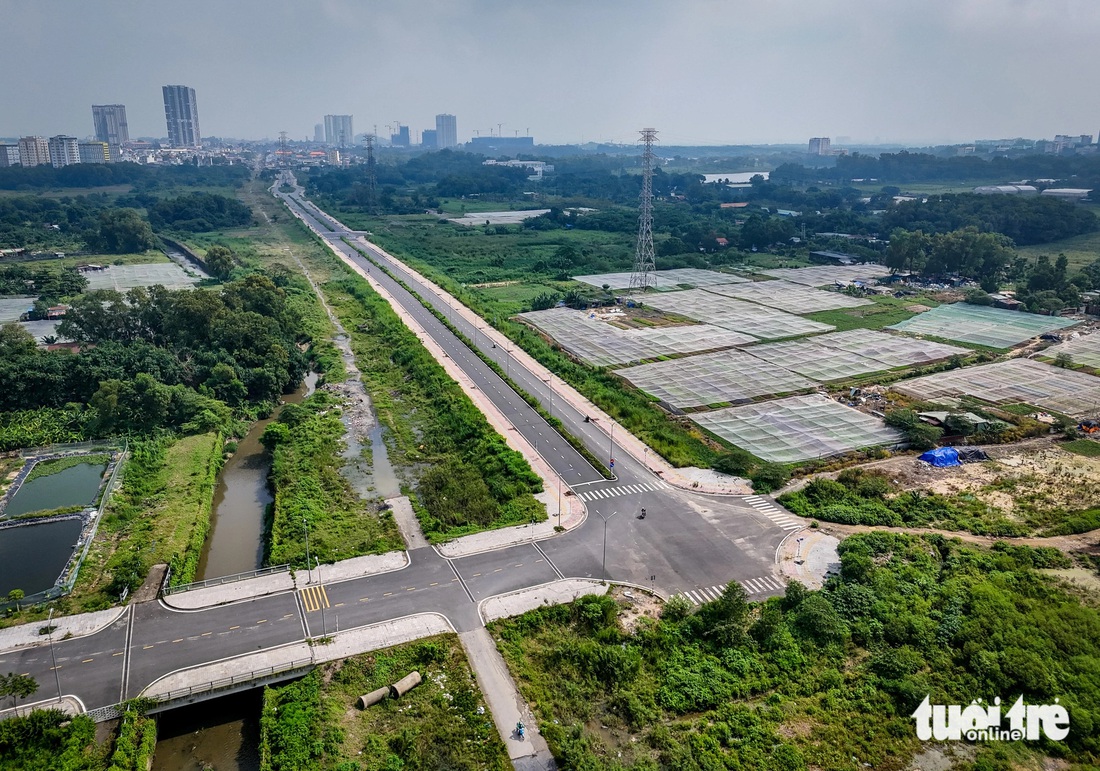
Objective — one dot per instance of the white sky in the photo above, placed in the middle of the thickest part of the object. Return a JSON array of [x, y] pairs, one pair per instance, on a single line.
[[700, 71]]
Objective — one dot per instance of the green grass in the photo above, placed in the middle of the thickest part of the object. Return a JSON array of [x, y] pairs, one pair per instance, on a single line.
[[305, 476], [1080, 250], [314, 724], [885, 312], [58, 263], [1087, 447]]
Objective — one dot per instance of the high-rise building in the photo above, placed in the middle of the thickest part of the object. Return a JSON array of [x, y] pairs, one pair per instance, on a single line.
[[110, 124], [338, 130], [9, 155], [64, 151], [319, 133], [446, 131], [429, 139], [401, 138], [181, 113], [96, 152], [819, 146], [34, 151]]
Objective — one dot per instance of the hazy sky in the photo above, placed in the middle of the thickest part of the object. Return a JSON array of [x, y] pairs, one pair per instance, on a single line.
[[700, 71]]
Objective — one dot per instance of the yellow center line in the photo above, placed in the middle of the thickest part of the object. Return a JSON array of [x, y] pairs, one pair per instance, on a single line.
[[146, 647], [387, 594], [434, 583], [476, 575], [411, 589], [518, 565], [53, 668], [262, 621], [179, 640], [338, 605], [453, 580], [204, 634], [364, 599], [118, 654], [234, 627], [85, 661], [498, 570]]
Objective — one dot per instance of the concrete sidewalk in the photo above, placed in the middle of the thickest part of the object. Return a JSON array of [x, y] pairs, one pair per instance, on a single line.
[[554, 593], [275, 583], [65, 627]]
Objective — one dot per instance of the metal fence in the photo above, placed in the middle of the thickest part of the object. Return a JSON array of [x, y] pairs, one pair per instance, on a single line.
[[166, 589]]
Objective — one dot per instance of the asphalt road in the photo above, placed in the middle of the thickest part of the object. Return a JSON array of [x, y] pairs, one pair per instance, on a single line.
[[687, 542]]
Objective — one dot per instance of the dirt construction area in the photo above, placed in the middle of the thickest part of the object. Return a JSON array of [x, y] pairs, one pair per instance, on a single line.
[[1035, 474]]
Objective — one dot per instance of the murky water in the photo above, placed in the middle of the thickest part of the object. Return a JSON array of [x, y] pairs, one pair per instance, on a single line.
[[236, 540], [75, 486], [218, 735], [33, 556]]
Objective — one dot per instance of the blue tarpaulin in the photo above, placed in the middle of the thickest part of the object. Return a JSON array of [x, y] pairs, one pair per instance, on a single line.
[[941, 456]]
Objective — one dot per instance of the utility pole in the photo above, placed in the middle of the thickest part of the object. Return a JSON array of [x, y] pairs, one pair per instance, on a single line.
[[643, 252], [53, 656], [605, 520]]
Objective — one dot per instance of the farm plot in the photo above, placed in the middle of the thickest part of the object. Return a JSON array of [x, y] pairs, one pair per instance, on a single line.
[[1083, 350], [797, 428], [981, 325], [890, 350], [822, 275], [123, 277], [1017, 380], [788, 296], [663, 279], [602, 344], [737, 315], [728, 376]]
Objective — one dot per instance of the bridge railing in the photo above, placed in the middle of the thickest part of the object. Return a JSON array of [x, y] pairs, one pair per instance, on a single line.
[[166, 589]]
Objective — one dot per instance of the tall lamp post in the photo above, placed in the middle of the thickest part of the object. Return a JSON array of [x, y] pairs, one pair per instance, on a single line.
[[605, 520], [324, 626], [53, 656]]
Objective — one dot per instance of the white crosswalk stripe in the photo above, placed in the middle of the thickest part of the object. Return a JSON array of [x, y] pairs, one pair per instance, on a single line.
[[753, 586], [612, 492]]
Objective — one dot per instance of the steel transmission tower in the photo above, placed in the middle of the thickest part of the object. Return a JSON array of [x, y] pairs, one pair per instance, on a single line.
[[372, 182], [643, 253]]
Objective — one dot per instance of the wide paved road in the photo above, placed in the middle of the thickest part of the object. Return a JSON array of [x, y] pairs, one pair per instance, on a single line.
[[687, 543]]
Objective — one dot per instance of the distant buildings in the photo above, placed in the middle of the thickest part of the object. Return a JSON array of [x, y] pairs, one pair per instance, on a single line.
[[97, 152], [181, 113], [64, 151], [9, 155], [338, 130], [820, 146], [502, 144], [110, 125], [1007, 190], [34, 151], [401, 138], [319, 133], [446, 131], [429, 139]]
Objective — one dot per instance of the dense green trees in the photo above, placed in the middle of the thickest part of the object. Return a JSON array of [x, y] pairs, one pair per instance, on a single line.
[[155, 357], [195, 212], [49, 740], [967, 252], [1034, 220], [123, 231]]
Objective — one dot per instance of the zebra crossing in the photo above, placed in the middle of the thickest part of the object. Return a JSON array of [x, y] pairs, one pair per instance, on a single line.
[[761, 585], [774, 513], [612, 492]]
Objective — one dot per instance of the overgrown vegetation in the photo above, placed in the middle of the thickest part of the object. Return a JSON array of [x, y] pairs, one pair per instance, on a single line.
[[311, 724], [468, 479], [305, 444], [815, 679], [136, 742], [50, 740]]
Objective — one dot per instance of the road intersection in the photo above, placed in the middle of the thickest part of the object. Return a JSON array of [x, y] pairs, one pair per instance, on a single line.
[[687, 543]]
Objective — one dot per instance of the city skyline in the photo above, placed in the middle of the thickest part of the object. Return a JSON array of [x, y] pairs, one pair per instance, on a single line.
[[706, 72]]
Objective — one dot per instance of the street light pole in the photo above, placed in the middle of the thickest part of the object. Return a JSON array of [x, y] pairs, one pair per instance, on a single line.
[[309, 563], [53, 656], [605, 519], [324, 627], [550, 384], [611, 457]]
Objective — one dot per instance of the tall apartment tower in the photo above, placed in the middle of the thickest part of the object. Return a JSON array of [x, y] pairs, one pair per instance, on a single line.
[[319, 133], [338, 130], [181, 112], [63, 150], [34, 151], [110, 125], [446, 131], [9, 155], [820, 146]]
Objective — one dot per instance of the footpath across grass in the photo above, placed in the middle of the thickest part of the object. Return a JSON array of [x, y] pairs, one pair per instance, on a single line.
[[442, 723]]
